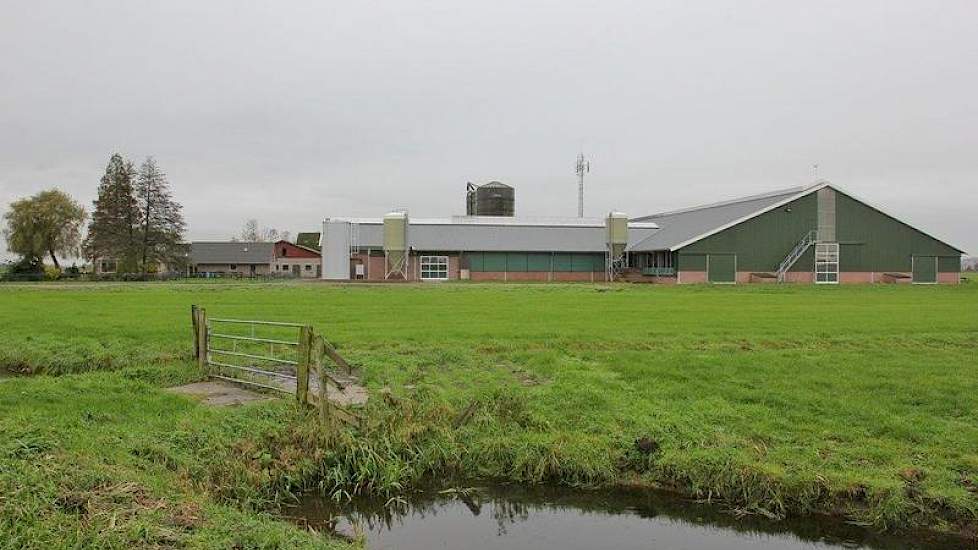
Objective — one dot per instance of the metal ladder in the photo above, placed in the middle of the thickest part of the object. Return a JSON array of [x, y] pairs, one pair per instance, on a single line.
[[354, 239], [797, 252]]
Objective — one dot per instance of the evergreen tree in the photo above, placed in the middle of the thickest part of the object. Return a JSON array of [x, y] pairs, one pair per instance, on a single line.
[[114, 225], [161, 224]]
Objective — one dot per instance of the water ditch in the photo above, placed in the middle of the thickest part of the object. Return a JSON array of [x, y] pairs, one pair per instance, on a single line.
[[550, 518]]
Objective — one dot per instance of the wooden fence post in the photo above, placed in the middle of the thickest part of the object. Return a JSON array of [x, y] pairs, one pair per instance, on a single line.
[[305, 356], [201, 345], [325, 414], [336, 357], [193, 319]]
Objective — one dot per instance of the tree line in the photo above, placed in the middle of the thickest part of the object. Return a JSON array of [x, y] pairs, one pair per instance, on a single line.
[[135, 222]]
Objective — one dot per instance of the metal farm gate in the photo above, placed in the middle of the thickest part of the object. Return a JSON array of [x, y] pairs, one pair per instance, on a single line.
[[283, 357]]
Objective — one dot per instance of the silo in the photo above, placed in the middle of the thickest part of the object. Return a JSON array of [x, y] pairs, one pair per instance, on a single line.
[[617, 227], [492, 199], [335, 251], [395, 245], [470, 197]]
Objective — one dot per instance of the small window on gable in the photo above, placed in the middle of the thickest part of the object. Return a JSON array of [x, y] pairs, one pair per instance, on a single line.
[[285, 252]]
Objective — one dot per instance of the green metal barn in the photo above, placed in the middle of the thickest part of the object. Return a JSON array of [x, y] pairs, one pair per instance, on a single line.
[[815, 234], [812, 234]]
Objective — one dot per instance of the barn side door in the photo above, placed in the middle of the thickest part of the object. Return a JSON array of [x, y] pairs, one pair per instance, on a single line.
[[925, 269], [721, 268]]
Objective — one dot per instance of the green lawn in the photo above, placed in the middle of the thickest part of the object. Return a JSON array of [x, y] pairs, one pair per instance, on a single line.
[[778, 399]]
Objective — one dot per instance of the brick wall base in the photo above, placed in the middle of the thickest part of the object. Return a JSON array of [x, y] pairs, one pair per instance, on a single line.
[[375, 266], [858, 277], [539, 276], [888, 278], [691, 277]]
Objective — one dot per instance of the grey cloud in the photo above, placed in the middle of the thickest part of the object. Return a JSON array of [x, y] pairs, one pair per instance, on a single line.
[[290, 112]]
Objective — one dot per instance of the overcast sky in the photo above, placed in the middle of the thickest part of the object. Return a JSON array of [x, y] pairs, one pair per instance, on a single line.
[[290, 112]]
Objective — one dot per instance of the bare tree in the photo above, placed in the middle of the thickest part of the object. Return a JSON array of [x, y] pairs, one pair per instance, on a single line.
[[252, 232]]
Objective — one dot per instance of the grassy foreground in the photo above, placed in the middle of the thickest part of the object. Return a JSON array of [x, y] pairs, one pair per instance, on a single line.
[[780, 400], [106, 460]]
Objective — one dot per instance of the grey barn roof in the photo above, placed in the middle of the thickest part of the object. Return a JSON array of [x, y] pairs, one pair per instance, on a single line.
[[678, 227], [446, 236], [231, 253]]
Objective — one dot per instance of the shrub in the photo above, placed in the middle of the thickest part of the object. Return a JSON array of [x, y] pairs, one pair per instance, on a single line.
[[25, 269]]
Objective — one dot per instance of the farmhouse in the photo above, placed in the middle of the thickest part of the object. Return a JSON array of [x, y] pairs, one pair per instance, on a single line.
[[254, 259], [812, 234], [177, 264]]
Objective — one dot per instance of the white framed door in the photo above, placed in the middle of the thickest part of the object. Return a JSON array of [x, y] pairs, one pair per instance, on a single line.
[[826, 263], [434, 268]]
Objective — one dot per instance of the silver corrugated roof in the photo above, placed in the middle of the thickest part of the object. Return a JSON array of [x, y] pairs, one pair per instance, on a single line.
[[231, 253], [678, 227], [664, 231], [487, 237]]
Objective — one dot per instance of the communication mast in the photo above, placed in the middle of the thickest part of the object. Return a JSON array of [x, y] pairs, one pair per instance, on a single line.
[[583, 167]]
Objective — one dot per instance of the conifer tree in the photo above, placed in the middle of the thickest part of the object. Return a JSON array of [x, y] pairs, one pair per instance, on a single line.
[[113, 228], [161, 224]]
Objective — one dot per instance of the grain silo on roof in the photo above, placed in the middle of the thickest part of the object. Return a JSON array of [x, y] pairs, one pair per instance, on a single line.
[[492, 199]]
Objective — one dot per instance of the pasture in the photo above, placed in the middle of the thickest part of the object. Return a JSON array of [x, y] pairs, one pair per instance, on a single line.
[[775, 400]]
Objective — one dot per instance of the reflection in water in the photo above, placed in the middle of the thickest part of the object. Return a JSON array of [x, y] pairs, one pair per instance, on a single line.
[[545, 518]]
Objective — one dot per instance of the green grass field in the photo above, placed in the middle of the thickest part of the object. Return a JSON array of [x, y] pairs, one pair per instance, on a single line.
[[777, 399]]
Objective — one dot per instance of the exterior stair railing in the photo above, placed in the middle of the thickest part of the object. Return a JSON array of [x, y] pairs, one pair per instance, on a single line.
[[797, 252]]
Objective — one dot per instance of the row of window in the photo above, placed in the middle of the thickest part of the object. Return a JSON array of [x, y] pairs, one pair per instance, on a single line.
[[307, 267]]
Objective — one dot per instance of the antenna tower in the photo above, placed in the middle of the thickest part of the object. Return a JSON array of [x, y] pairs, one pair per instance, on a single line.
[[583, 167]]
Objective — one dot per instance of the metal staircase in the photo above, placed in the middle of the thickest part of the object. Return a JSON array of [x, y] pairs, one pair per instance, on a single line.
[[797, 252], [354, 239]]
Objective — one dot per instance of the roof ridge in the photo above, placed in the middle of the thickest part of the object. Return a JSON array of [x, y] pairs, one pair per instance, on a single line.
[[787, 191]]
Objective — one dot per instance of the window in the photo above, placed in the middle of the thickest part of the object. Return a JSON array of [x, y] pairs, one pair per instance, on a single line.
[[308, 267], [434, 268], [233, 267], [284, 252], [827, 263], [107, 266]]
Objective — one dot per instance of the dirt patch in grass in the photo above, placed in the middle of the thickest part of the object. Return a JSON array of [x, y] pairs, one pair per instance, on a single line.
[[220, 394]]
